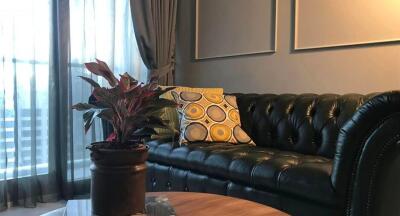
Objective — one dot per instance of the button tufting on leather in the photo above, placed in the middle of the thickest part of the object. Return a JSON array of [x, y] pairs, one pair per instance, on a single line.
[[274, 117], [313, 111], [251, 108], [336, 112], [290, 110], [270, 108]]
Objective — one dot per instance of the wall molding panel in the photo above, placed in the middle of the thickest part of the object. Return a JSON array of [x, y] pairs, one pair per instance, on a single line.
[[226, 28], [337, 23]]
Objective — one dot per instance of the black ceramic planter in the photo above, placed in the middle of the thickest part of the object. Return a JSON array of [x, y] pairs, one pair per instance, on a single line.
[[118, 180]]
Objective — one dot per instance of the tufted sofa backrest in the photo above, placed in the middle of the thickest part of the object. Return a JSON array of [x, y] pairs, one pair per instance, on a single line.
[[306, 123]]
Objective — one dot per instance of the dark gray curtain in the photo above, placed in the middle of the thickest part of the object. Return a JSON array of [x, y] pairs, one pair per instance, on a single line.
[[154, 23], [61, 116]]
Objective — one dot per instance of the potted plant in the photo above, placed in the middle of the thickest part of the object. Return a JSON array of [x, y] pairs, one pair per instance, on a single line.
[[118, 164]]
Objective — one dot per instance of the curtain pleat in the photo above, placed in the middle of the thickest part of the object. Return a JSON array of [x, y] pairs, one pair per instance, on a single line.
[[60, 135], [155, 28]]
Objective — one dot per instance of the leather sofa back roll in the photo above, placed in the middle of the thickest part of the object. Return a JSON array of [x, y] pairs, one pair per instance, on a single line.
[[305, 123]]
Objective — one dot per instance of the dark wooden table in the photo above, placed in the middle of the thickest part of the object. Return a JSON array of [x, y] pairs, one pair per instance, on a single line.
[[193, 204]]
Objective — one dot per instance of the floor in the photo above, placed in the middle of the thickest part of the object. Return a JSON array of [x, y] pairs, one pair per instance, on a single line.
[[40, 209]]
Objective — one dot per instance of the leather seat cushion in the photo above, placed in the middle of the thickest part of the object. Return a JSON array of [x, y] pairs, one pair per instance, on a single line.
[[264, 168]]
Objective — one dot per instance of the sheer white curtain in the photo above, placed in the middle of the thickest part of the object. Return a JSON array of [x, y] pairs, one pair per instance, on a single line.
[[24, 72], [103, 30], [29, 159], [24, 98]]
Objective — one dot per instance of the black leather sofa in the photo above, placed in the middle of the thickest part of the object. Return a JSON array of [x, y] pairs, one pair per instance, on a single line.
[[315, 155]]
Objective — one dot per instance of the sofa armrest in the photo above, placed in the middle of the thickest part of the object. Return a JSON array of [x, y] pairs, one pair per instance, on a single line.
[[366, 166]]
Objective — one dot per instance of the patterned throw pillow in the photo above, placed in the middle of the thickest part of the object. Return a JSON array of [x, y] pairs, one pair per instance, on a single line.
[[209, 117], [171, 115]]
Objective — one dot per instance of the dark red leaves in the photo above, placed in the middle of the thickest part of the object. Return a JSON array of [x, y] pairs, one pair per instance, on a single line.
[[101, 69], [133, 108], [112, 137]]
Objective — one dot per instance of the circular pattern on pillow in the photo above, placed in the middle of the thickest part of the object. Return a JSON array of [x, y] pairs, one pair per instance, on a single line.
[[240, 135], [190, 96], [220, 133], [234, 116], [194, 111], [208, 117], [216, 113], [214, 98], [231, 101], [195, 132]]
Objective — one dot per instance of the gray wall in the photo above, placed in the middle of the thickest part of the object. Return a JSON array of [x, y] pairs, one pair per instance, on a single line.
[[362, 69]]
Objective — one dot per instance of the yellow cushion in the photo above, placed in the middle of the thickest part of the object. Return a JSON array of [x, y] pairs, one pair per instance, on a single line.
[[171, 115], [209, 117]]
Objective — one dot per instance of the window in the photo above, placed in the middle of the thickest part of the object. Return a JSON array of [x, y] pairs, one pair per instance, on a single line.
[[98, 29], [24, 81]]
